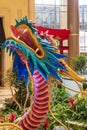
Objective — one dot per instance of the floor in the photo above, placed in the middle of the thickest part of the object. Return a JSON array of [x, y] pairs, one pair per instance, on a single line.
[[5, 93]]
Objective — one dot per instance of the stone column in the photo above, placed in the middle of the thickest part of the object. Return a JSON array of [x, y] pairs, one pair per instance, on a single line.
[[73, 25]]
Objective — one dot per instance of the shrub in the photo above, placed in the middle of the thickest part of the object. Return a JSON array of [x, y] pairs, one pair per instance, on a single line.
[[79, 63]]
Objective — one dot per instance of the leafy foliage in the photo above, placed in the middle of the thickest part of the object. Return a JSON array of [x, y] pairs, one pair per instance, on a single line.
[[65, 110], [59, 95], [79, 63], [84, 85], [20, 95]]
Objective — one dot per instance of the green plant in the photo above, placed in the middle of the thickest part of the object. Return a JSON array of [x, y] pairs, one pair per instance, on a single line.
[[84, 85], [79, 63], [58, 111], [59, 103], [67, 109], [59, 94], [20, 94]]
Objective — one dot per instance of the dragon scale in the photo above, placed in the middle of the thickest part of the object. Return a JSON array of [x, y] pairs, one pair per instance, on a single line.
[[39, 106]]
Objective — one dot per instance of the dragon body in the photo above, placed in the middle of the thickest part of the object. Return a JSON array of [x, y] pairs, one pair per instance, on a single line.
[[34, 57], [39, 106]]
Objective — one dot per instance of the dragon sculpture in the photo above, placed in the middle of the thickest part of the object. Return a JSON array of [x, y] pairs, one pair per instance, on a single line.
[[35, 59]]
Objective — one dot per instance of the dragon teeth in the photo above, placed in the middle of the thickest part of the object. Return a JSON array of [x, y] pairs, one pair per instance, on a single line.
[[18, 37], [37, 50], [25, 30]]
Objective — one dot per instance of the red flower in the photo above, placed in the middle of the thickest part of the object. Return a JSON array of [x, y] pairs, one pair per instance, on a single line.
[[71, 100], [46, 124], [12, 117]]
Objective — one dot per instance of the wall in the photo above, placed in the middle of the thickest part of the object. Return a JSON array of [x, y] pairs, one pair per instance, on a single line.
[[9, 10]]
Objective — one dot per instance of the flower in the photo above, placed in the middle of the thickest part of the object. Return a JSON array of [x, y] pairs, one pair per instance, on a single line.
[[71, 100], [12, 117], [46, 124]]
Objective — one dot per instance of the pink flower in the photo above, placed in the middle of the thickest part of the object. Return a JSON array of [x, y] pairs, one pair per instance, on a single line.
[[12, 117]]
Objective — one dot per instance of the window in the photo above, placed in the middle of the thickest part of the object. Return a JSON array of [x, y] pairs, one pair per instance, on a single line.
[[49, 13], [83, 25]]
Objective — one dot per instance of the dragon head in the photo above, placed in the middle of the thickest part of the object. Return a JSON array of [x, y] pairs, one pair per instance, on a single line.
[[25, 34], [27, 45]]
